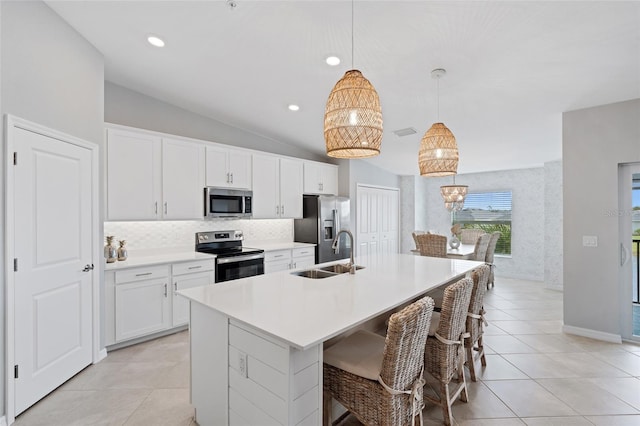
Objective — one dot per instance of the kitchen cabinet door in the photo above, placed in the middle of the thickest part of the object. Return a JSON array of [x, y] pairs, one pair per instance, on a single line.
[[141, 308], [133, 175], [182, 179], [228, 168], [320, 178], [266, 187], [291, 177], [180, 304]]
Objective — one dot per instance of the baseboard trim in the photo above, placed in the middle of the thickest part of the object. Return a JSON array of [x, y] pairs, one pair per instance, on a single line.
[[3, 421], [593, 334], [101, 355]]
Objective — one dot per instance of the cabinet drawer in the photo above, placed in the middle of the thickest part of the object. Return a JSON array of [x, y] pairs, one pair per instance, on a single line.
[[141, 274], [277, 255], [303, 251], [191, 267]]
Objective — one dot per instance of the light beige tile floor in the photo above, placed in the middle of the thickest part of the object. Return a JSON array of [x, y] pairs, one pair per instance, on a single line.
[[535, 375]]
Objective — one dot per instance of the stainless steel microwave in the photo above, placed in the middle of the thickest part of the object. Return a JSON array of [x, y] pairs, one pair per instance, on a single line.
[[227, 203]]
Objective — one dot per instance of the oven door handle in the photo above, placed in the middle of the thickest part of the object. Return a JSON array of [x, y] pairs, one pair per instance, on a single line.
[[236, 259]]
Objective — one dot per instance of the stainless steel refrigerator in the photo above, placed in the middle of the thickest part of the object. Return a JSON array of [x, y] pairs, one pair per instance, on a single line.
[[323, 217]]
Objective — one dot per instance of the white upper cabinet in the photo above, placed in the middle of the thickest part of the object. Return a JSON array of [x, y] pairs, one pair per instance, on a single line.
[[150, 178], [182, 179], [320, 178], [290, 188], [277, 187], [228, 168], [133, 175]]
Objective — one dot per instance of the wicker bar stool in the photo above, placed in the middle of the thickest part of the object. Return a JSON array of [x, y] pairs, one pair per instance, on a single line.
[[476, 321], [470, 235], [489, 257], [445, 354], [380, 380], [432, 245]]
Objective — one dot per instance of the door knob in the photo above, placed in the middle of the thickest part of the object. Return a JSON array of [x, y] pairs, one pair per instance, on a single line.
[[88, 268]]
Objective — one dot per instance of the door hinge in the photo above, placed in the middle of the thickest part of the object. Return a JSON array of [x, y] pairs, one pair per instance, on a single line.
[[15, 158], [15, 371], [15, 264]]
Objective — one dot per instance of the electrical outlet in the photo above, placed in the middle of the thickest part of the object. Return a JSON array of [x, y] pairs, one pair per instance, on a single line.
[[589, 241], [242, 362]]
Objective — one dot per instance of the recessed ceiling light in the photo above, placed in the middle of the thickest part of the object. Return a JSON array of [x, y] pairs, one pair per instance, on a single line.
[[333, 61], [293, 107], [155, 41]]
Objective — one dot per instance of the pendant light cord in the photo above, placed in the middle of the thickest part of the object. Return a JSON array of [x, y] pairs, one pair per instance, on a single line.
[[352, 43], [438, 100]]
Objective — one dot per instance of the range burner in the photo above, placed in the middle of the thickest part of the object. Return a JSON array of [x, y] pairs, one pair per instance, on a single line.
[[232, 260]]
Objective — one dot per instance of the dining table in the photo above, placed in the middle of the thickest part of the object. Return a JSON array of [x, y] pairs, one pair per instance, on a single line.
[[463, 252]]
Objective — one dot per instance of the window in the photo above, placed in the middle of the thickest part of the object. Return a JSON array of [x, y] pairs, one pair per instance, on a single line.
[[489, 211]]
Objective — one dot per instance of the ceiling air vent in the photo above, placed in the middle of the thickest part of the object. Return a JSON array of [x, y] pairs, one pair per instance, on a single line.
[[405, 132]]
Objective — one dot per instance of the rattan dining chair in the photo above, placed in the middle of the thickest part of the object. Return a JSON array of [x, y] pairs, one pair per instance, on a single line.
[[470, 235], [489, 257], [476, 321], [432, 245], [414, 234], [482, 245], [445, 354], [380, 380]]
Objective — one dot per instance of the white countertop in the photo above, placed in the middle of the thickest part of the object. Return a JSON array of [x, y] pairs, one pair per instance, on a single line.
[[305, 312], [159, 256], [184, 254]]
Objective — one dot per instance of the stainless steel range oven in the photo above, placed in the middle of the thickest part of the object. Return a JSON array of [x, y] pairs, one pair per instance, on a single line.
[[232, 260]]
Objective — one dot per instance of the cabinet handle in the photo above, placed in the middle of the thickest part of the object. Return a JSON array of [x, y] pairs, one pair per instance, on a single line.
[[165, 207], [282, 209], [278, 210], [278, 255], [175, 286], [227, 177], [142, 275], [195, 267], [156, 207], [295, 265], [165, 289], [320, 184], [231, 177]]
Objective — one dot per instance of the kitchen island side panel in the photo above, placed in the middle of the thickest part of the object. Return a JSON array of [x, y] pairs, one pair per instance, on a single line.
[[209, 334]]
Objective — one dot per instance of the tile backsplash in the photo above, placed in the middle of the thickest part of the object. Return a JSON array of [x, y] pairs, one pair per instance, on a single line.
[[162, 234]]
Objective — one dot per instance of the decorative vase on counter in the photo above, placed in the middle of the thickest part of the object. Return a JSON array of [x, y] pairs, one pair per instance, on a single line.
[[454, 242], [122, 250], [110, 252]]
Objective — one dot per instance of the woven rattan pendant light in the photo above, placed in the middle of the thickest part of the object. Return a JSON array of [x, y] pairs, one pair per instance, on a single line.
[[353, 116], [438, 155]]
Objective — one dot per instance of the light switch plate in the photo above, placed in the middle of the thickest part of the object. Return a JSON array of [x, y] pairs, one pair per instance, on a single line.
[[589, 241]]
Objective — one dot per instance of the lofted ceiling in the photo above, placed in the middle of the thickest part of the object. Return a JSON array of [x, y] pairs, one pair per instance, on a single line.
[[512, 67]]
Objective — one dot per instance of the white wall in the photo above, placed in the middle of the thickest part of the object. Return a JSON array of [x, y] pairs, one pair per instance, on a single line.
[[413, 209], [131, 108], [52, 76], [553, 225], [527, 218], [595, 141]]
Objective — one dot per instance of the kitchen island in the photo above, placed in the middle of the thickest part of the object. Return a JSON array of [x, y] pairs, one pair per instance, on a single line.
[[256, 343]]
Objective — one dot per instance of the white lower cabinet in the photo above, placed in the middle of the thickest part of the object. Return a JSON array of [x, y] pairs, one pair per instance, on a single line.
[[142, 304], [142, 301], [282, 260], [188, 275]]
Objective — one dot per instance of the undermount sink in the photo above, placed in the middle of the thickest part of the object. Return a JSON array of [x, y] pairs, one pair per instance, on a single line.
[[326, 271], [314, 273], [339, 268]]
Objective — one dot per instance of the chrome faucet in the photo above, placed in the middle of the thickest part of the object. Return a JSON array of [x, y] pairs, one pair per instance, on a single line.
[[336, 248]]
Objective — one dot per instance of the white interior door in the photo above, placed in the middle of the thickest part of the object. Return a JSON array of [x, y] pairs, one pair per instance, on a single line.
[[53, 190], [377, 220], [628, 201]]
